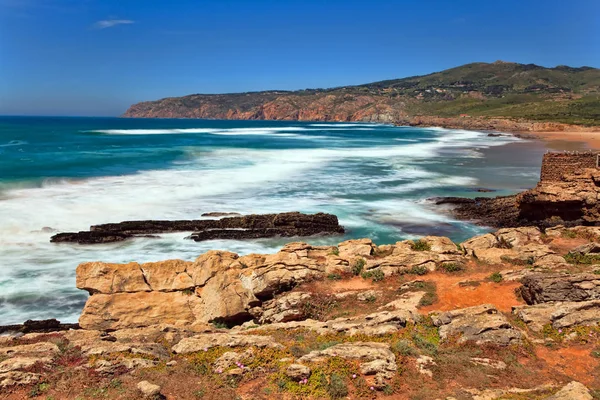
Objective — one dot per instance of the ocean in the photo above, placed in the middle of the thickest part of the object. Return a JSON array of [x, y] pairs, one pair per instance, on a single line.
[[65, 174]]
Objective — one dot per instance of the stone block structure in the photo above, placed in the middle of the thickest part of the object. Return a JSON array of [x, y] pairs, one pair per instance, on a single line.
[[555, 165]]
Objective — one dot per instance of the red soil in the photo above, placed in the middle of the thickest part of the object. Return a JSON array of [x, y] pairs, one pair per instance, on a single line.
[[452, 296]]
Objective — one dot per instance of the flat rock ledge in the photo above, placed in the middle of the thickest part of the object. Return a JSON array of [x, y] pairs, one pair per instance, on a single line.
[[288, 224]]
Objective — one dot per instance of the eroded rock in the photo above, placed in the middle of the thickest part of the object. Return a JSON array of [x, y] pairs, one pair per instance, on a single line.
[[480, 324]]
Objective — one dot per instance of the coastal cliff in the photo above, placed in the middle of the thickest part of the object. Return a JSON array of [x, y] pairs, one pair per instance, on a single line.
[[423, 318], [500, 95]]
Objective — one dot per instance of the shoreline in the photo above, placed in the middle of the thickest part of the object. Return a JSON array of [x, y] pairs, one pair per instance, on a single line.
[[545, 131]]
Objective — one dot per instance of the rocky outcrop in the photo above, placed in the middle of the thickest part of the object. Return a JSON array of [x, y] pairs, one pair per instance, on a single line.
[[36, 326], [226, 288], [559, 315], [520, 245], [375, 358], [543, 288], [572, 391], [243, 227], [479, 324], [570, 198]]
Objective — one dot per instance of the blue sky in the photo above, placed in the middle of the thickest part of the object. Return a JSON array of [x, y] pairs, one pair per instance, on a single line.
[[96, 57]]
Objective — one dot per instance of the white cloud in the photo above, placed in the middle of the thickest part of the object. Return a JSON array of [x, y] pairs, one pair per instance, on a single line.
[[109, 23]]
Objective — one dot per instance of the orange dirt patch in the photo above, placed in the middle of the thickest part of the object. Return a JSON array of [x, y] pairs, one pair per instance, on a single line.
[[564, 245], [355, 283], [452, 296], [575, 362]]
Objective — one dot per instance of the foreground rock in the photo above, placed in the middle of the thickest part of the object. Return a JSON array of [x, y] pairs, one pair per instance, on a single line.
[[560, 315], [223, 287], [542, 288], [479, 324], [243, 227]]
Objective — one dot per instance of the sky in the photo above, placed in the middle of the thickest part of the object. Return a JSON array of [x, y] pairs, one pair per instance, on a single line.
[[97, 57]]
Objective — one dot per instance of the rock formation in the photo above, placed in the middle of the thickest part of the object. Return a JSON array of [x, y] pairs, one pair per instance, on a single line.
[[355, 320], [243, 227], [568, 193]]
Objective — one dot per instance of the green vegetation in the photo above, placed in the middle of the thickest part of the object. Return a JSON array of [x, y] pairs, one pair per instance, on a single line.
[[418, 270], [376, 274], [420, 245], [496, 277], [337, 388], [452, 267], [358, 266], [334, 277], [582, 259]]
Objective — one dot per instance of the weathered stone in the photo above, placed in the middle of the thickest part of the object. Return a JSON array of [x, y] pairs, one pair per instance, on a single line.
[[424, 363], [541, 288], [13, 378], [167, 276], [126, 310], [517, 237], [441, 245], [231, 358], [365, 352], [368, 295], [559, 314], [480, 324], [16, 363], [148, 389], [297, 372], [41, 348], [350, 249], [207, 341], [486, 241], [494, 255], [486, 362], [572, 391], [99, 277], [282, 309]]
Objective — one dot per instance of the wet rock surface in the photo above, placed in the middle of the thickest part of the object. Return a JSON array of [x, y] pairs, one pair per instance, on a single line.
[[237, 227]]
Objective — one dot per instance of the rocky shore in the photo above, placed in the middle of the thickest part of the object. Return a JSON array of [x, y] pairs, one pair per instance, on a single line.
[[238, 227], [567, 194], [488, 318]]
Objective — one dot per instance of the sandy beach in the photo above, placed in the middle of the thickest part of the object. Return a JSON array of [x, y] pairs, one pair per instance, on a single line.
[[590, 138]]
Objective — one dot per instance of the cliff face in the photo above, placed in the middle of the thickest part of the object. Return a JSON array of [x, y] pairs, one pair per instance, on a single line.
[[502, 92], [287, 107]]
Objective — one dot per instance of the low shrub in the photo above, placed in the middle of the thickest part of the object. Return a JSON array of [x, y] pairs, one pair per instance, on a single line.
[[420, 245], [582, 259], [496, 277], [337, 388], [358, 266], [334, 277], [376, 274], [418, 270], [452, 267]]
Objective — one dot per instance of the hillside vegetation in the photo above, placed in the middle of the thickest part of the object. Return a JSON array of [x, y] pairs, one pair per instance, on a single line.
[[500, 89]]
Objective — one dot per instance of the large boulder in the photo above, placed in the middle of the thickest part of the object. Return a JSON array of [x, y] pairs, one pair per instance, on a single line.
[[128, 310], [479, 324], [559, 314], [542, 288], [572, 391]]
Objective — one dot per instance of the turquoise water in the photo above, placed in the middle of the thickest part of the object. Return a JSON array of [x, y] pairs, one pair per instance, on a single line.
[[65, 174]]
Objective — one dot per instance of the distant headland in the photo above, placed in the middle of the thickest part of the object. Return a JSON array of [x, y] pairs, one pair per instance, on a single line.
[[498, 96]]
